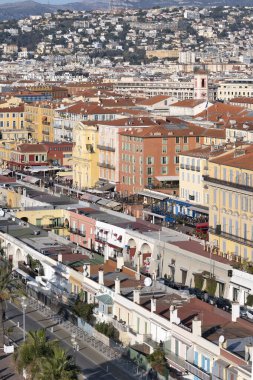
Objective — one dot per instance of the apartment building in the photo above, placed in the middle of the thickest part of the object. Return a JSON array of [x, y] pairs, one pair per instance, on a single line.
[[109, 145], [12, 123], [230, 183], [193, 166], [150, 156], [235, 88], [39, 121], [85, 155]]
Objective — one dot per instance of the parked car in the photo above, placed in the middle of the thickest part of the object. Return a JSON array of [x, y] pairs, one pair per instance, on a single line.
[[243, 311], [223, 303], [250, 314]]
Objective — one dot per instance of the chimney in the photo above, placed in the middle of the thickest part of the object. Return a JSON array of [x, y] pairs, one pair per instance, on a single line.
[[117, 286], [59, 257], [173, 315], [137, 296], [196, 327], [153, 305], [235, 311], [120, 262], [249, 353], [101, 277]]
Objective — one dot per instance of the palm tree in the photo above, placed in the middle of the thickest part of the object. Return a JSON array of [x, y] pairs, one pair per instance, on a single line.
[[8, 289], [29, 354], [44, 359], [59, 366]]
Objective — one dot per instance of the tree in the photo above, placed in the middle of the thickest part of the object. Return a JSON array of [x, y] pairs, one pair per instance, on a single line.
[[29, 354], [44, 359], [60, 366], [158, 362], [83, 310], [8, 289]]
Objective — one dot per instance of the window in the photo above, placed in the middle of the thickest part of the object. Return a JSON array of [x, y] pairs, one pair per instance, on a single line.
[[176, 160], [197, 139], [164, 170], [164, 149], [178, 149], [150, 181], [177, 140], [150, 160], [164, 141], [164, 160], [185, 139], [150, 171]]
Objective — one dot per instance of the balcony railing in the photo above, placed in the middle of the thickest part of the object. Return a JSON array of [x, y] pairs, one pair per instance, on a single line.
[[100, 239], [104, 147], [228, 184], [45, 122], [76, 231], [231, 237], [107, 166], [196, 371], [187, 167], [182, 166]]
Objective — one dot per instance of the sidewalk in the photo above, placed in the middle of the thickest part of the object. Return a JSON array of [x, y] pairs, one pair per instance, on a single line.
[[7, 370], [89, 348]]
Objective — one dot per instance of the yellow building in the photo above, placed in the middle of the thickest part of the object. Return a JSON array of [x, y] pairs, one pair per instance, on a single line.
[[56, 220], [230, 183], [39, 121], [6, 150], [85, 155], [12, 122]]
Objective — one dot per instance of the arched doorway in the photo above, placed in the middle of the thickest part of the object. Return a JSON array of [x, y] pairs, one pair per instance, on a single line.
[[131, 248]]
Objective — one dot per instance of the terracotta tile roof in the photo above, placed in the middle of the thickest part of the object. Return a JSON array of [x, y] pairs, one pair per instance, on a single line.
[[243, 100], [222, 112], [13, 109], [204, 152], [165, 129], [243, 161], [215, 132], [31, 148], [153, 100]]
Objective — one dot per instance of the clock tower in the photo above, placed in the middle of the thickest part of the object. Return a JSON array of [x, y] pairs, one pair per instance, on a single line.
[[201, 85]]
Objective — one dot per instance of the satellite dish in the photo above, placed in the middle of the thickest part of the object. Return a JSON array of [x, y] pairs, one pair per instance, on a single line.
[[2, 213], [147, 281], [221, 339]]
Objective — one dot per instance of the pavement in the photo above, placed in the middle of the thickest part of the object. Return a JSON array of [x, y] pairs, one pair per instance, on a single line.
[[7, 371], [94, 365]]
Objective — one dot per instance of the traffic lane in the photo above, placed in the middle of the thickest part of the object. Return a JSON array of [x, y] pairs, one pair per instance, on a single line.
[[90, 369]]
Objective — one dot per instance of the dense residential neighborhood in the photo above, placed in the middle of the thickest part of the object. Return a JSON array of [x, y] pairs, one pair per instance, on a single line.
[[126, 206]]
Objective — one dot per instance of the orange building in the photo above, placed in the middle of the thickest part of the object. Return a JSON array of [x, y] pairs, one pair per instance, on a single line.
[[149, 157]]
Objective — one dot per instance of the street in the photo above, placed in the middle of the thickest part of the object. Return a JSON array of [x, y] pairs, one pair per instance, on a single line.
[[93, 364]]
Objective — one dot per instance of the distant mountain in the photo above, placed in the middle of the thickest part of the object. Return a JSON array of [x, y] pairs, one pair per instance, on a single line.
[[18, 10]]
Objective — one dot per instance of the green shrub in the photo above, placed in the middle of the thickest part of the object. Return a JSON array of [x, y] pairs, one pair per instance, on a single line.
[[198, 280], [108, 330], [249, 300], [211, 285]]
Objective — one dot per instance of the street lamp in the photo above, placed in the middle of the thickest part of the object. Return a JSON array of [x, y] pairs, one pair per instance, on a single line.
[[24, 304]]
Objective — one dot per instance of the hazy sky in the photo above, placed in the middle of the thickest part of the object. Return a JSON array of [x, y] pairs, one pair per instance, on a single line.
[[41, 1]]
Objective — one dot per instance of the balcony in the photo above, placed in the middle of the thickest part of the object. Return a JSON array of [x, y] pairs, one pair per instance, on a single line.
[[187, 167], [76, 231], [121, 326], [176, 361], [196, 371], [100, 239], [46, 123], [46, 133], [107, 166], [29, 129], [104, 147], [195, 168], [231, 237], [233, 185], [182, 166]]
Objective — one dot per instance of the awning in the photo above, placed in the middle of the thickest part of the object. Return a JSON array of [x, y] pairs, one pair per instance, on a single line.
[[31, 179], [65, 174], [167, 178], [242, 282], [105, 299], [199, 209], [106, 187], [103, 202], [153, 195], [24, 274], [90, 198], [5, 172]]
